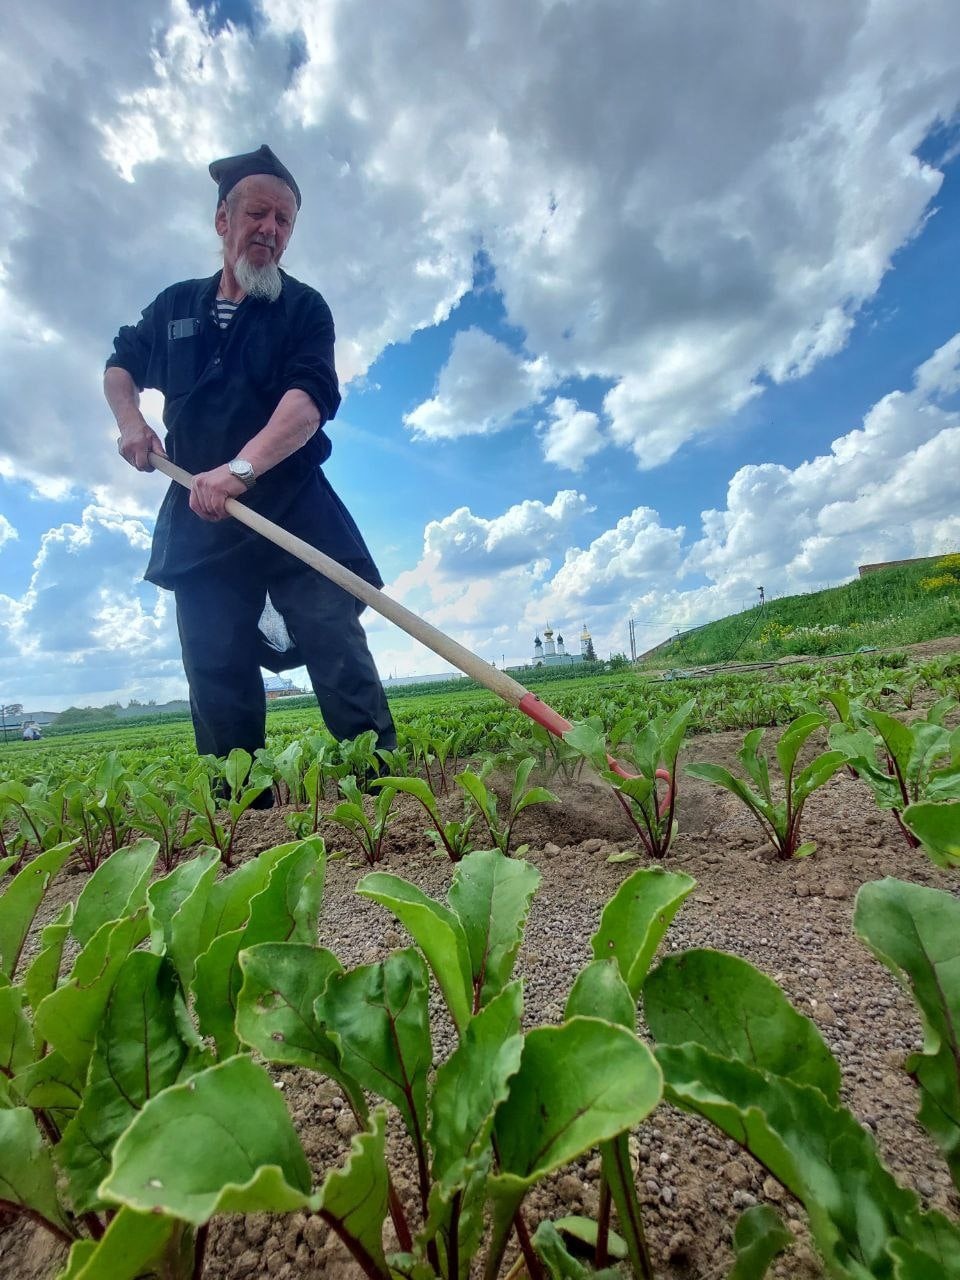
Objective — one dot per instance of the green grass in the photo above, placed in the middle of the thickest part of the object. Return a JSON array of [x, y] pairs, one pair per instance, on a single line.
[[882, 610]]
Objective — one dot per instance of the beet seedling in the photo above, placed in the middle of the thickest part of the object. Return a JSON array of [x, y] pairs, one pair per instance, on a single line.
[[779, 819], [452, 837], [83, 1056], [36, 817], [286, 770], [913, 930], [157, 812], [367, 832], [243, 781], [312, 784], [734, 1050], [921, 762], [651, 749], [521, 797]]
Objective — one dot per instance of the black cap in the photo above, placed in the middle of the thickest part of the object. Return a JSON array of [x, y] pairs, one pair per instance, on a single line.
[[228, 172]]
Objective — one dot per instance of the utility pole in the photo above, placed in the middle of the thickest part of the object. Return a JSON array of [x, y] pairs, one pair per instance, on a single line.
[[760, 589], [633, 640]]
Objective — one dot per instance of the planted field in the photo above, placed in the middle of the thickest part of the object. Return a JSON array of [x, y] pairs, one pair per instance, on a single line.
[[512, 1019]]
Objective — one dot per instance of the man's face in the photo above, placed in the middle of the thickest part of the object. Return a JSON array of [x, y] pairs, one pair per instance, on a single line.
[[256, 221]]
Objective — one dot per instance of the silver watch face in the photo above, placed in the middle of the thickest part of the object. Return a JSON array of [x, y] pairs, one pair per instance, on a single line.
[[242, 469]]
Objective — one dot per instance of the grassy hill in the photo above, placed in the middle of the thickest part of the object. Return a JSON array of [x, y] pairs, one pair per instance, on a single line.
[[901, 605]]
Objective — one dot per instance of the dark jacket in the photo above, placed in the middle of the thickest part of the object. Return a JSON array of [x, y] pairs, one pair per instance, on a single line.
[[220, 388]]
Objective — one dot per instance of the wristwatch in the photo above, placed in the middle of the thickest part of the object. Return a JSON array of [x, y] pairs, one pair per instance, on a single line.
[[243, 470]]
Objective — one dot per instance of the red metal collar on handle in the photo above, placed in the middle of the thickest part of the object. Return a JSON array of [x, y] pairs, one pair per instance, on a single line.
[[555, 723]]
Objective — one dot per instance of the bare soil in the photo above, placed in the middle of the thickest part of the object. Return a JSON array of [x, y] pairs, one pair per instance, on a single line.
[[792, 920]]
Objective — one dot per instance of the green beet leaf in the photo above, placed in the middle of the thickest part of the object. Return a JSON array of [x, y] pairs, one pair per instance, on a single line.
[[185, 934], [288, 909], [817, 1150], [378, 1016], [50, 1083], [44, 972], [81, 1253], [491, 895], [931, 1253], [461, 1236], [937, 826], [353, 1200], [216, 985], [472, 1083], [222, 1142], [586, 1232], [68, 1018], [757, 1239], [20, 900], [578, 1084], [227, 905], [438, 933], [636, 918], [469, 1086], [794, 736], [138, 1052], [600, 992], [117, 888], [166, 897], [134, 1245], [726, 1005], [915, 932], [27, 1177], [275, 1009], [16, 1037], [285, 910], [559, 1262]]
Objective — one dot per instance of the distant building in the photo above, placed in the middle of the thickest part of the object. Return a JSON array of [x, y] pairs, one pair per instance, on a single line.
[[391, 681], [280, 687], [552, 653]]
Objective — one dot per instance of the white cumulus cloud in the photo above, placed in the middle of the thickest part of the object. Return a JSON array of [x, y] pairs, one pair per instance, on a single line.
[[571, 435], [87, 622], [682, 200], [480, 388], [464, 543], [7, 532], [886, 490]]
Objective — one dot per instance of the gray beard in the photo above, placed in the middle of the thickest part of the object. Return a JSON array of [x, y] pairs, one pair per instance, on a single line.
[[258, 282]]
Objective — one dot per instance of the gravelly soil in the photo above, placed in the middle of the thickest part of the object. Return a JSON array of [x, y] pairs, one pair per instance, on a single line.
[[792, 920]]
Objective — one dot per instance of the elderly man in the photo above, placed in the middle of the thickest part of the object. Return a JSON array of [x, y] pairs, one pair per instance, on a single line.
[[245, 363]]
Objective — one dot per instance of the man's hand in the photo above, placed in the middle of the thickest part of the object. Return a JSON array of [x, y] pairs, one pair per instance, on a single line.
[[138, 439], [210, 491]]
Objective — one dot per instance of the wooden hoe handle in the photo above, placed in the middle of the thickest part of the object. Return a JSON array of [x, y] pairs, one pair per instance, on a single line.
[[497, 682]]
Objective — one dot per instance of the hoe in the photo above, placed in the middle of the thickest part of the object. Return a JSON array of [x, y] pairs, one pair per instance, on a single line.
[[498, 682]]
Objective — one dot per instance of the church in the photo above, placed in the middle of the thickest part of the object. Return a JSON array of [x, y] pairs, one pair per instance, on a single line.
[[552, 653]]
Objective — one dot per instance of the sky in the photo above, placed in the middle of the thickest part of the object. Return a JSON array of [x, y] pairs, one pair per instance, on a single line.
[[639, 306]]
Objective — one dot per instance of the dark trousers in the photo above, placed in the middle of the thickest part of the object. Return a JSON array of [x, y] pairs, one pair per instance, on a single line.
[[217, 616]]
